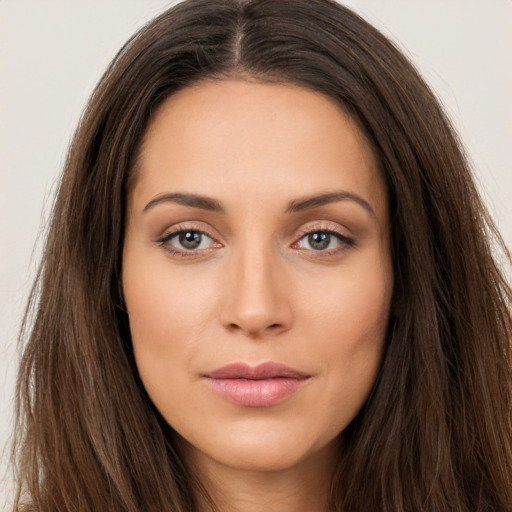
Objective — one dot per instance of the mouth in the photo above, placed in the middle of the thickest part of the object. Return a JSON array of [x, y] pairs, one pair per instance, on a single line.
[[264, 385]]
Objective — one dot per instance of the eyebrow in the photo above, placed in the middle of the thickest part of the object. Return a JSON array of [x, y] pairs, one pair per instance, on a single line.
[[332, 197], [298, 205], [192, 200]]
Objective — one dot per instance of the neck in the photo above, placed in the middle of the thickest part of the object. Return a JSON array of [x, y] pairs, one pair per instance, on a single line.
[[303, 487]]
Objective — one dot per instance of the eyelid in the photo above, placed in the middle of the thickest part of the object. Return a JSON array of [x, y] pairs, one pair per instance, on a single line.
[[345, 239], [326, 226], [188, 226], [200, 227]]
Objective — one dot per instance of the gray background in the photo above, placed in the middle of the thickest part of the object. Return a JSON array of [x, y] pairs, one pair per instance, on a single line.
[[52, 52]]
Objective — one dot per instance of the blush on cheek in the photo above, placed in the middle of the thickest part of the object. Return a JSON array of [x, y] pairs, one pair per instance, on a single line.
[[362, 308]]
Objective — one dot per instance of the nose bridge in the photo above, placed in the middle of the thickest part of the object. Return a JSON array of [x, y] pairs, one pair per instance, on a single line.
[[256, 301]]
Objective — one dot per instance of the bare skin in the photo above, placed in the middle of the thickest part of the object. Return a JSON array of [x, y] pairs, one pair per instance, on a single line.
[[258, 232]]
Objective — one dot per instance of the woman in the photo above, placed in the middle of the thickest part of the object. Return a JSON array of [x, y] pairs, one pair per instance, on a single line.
[[268, 283]]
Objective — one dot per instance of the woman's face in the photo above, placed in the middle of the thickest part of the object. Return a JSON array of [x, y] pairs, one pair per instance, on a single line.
[[257, 271]]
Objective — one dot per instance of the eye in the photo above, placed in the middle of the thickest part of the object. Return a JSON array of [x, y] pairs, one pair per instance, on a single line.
[[184, 242], [190, 240], [324, 241]]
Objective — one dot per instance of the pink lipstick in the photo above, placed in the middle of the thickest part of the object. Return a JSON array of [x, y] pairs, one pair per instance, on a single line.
[[255, 386]]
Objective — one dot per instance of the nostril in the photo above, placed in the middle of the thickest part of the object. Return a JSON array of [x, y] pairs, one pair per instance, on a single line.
[[233, 326]]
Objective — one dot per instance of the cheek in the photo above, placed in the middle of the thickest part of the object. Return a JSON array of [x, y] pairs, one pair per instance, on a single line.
[[163, 297], [352, 318], [364, 311], [352, 308], [168, 312]]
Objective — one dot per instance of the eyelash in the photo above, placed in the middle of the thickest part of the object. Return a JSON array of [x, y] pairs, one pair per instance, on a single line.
[[167, 237], [345, 242]]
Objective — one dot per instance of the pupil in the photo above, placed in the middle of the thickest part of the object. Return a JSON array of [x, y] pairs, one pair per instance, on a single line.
[[190, 239], [319, 241]]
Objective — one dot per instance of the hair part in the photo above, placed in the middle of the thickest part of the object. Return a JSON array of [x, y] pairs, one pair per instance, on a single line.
[[435, 433]]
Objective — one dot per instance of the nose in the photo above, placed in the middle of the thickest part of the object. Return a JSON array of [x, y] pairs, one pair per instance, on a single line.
[[256, 301]]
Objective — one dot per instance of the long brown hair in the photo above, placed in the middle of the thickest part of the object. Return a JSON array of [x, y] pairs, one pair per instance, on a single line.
[[436, 432]]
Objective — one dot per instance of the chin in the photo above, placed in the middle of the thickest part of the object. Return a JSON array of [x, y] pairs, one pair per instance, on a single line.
[[262, 448]]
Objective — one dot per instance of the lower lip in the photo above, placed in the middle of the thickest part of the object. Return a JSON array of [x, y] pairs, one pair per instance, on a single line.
[[256, 393]]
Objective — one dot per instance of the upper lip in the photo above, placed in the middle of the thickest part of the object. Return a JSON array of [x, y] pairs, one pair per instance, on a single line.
[[263, 371]]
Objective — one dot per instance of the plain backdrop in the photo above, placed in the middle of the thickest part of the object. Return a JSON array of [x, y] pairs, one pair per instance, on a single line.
[[52, 52]]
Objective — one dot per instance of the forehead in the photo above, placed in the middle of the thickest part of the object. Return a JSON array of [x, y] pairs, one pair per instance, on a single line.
[[229, 136]]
